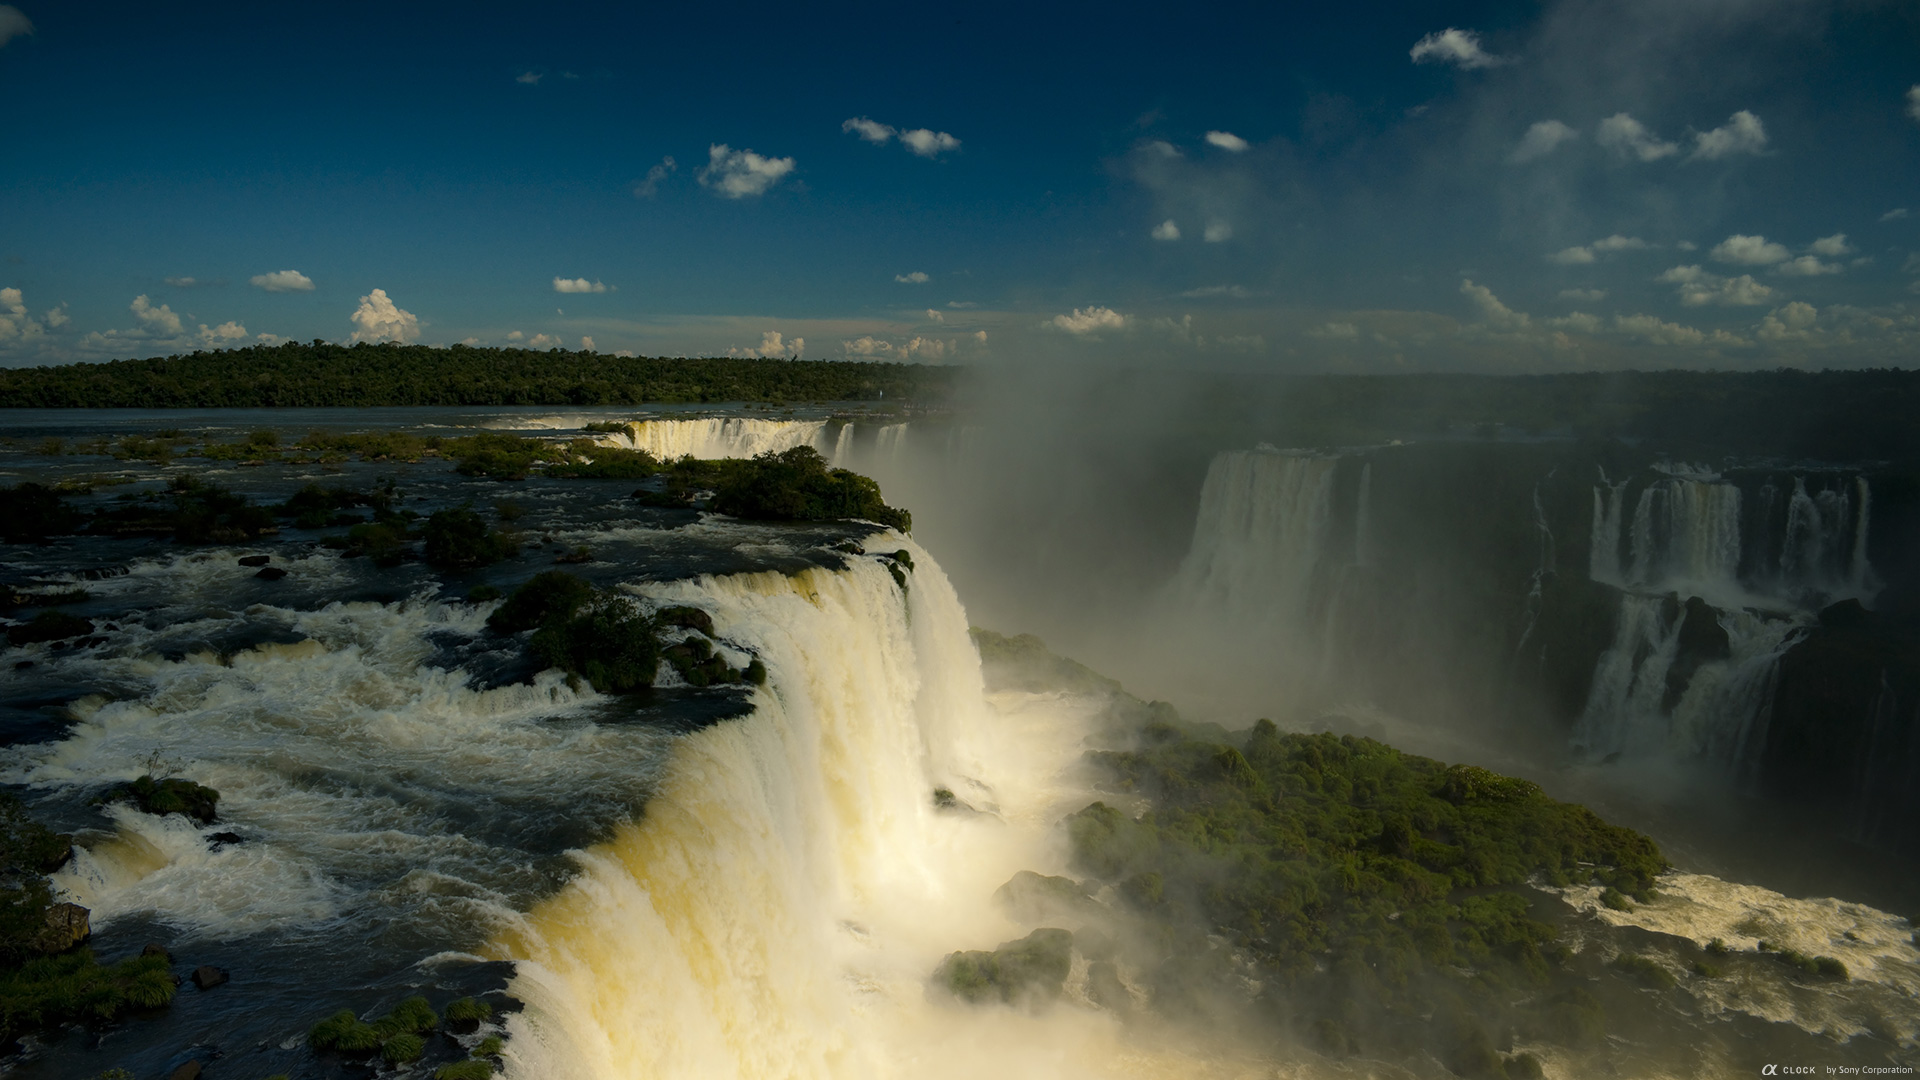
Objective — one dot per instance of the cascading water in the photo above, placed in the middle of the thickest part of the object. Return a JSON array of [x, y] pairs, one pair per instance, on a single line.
[[1260, 536], [718, 437]]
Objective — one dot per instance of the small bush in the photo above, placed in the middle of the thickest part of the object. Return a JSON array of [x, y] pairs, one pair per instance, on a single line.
[[1647, 972], [461, 540], [609, 642], [490, 1047], [472, 1069], [1613, 898], [75, 988], [344, 1033], [547, 596], [403, 1048], [481, 594]]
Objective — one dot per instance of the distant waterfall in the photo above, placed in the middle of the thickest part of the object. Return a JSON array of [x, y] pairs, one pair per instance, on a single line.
[[1260, 535], [1603, 557], [718, 437], [1687, 532]]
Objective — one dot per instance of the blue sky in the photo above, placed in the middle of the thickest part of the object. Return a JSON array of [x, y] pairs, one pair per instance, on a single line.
[[1557, 185]]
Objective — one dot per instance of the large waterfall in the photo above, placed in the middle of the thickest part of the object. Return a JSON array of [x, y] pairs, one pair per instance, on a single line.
[[722, 437], [1260, 536], [777, 909]]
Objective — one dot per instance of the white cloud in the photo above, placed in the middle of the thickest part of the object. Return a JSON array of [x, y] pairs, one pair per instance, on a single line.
[[227, 333], [160, 321], [1913, 101], [1741, 134], [1451, 46], [1585, 296], [1093, 320], [13, 24], [1831, 246], [1894, 214], [515, 335], [15, 323], [1217, 232], [917, 277], [962, 304], [1206, 291], [1492, 311], [936, 315], [1748, 251], [577, 285], [57, 317], [1616, 242], [928, 143], [1161, 148], [1573, 256], [871, 130], [1794, 320], [543, 341], [1166, 230], [586, 344], [1337, 331], [1807, 266], [1687, 245], [1630, 138], [1697, 287], [378, 318], [772, 344], [1540, 140], [1228, 141], [182, 282], [738, 174], [645, 189], [282, 281], [1656, 330], [529, 78], [866, 346]]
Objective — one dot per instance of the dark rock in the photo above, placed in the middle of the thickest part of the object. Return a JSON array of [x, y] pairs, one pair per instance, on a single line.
[[67, 926], [222, 839], [1035, 966], [1702, 639], [271, 573], [163, 797], [692, 618], [155, 949], [189, 1070], [1034, 898], [49, 626], [255, 560], [206, 976], [22, 665]]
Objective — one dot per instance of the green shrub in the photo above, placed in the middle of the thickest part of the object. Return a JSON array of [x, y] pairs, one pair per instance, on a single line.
[[481, 594], [549, 595], [471, 1069], [45, 993], [1036, 964], [401, 1049], [410, 1017], [344, 1033], [797, 485], [1644, 970], [461, 540], [608, 641], [495, 454], [490, 1047]]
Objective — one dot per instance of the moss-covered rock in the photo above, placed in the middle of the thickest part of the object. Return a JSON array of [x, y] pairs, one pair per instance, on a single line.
[[467, 1014], [1035, 966], [1035, 898], [75, 988], [170, 796]]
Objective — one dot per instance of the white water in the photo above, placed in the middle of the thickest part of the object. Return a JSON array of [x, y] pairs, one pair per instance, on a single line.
[[720, 437], [1259, 538]]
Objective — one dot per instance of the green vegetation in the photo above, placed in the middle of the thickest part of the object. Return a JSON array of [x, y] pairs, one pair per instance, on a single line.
[[192, 512], [461, 540], [1645, 971], [402, 1049], [344, 1033], [547, 596], [607, 641], [467, 1013], [1820, 967], [395, 1036], [75, 988], [162, 797], [471, 1069], [1025, 663], [490, 1047], [1035, 966], [323, 374], [786, 485]]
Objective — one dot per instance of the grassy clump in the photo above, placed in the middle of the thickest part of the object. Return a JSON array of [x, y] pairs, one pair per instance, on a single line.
[[587, 461], [1819, 967], [75, 988], [410, 1017], [1036, 965], [471, 1069], [1645, 971], [490, 1047], [173, 796], [192, 511], [402, 1049], [316, 507], [28, 852], [344, 1033], [395, 1036], [468, 1013], [788, 485], [547, 596], [495, 454], [461, 540], [48, 626]]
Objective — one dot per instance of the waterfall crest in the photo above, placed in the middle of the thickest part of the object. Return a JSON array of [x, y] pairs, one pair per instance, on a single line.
[[719, 437]]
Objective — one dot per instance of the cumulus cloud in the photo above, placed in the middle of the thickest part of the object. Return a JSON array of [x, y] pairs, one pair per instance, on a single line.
[[1585, 296], [577, 285], [1166, 230], [1450, 46], [378, 318], [1628, 137], [586, 344], [740, 174], [1090, 321], [543, 341], [1658, 331], [917, 277], [867, 346], [1492, 311], [160, 321], [1831, 246], [1697, 288], [57, 317], [1913, 101], [927, 142], [1228, 141], [772, 344], [871, 130], [1748, 251], [1217, 232], [282, 281], [1793, 320], [13, 24], [226, 334], [1894, 214], [1208, 291], [15, 323], [1741, 134], [936, 315], [1616, 242], [1541, 139], [647, 186], [183, 282], [1573, 256], [1807, 266]]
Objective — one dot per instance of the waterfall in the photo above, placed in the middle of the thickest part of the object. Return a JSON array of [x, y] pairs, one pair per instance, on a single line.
[[890, 442], [1685, 532], [1603, 557], [1363, 518], [1260, 535], [777, 909], [718, 437], [1623, 706], [842, 446]]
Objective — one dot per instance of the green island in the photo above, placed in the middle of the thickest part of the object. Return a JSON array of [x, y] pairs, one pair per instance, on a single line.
[[322, 374], [1335, 893]]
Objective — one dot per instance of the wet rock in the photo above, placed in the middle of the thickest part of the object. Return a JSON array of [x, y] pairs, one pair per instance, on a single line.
[[67, 926], [189, 1070], [271, 573], [49, 626], [162, 797], [155, 949], [1702, 639], [255, 560], [692, 618], [222, 839], [206, 976]]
